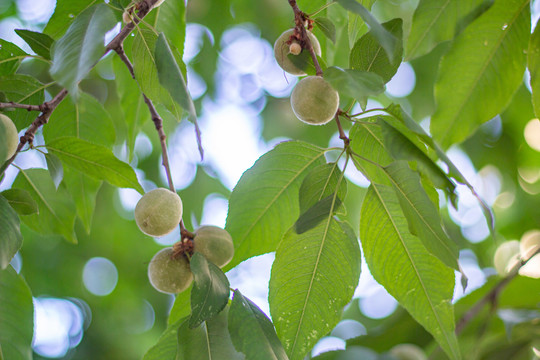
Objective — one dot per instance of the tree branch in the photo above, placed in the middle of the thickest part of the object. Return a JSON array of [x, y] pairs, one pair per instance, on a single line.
[[143, 7], [299, 19]]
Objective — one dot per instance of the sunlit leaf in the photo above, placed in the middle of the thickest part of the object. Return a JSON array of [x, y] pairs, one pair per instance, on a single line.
[[94, 160], [75, 53], [210, 292], [368, 55], [397, 260], [252, 333], [10, 233], [64, 14], [16, 316], [264, 203], [435, 21], [318, 269], [40, 43], [54, 165], [470, 89], [21, 201], [56, 208]]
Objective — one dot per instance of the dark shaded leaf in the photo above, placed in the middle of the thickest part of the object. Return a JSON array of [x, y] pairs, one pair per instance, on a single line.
[[54, 165], [21, 201], [327, 27], [356, 84], [10, 57]]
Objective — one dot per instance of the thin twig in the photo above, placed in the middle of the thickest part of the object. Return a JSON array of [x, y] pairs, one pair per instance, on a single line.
[[14, 105], [342, 134]]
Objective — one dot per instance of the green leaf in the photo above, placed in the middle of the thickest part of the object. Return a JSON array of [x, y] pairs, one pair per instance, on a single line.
[[10, 57], [16, 316], [64, 14], [54, 165], [25, 90], [21, 201], [3, 144], [83, 190], [327, 27], [264, 203], [533, 63], [397, 260], [317, 213], [181, 307], [422, 215], [209, 341], [368, 55], [87, 119], [436, 21], [75, 53], [210, 293], [40, 43], [356, 84], [321, 182], [316, 270], [166, 347], [171, 20], [171, 78], [403, 147], [470, 89], [56, 208], [252, 332], [10, 233], [94, 160], [453, 171], [304, 61], [383, 36]]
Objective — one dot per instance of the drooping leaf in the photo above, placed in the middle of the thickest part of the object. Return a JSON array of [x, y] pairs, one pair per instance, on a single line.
[[171, 20], [356, 84], [321, 182], [208, 341], [317, 213], [94, 160], [166, 347], [252, 333], [39, 42], [22, 89], [210, 292], [65, 12], [75, 53], [54, 165], [533, 64], [422, 215], [327, 27], [87, 119], [436, 21], [264, 203], [453, 171], [383, 36], [10, 233], [368, 55], [403, 147], [83, 190], [21, 201], [397, 260], [470, 89], [16, 316], [171, 78], [146, 71], [318, 269], [10, 57], [56, 208]]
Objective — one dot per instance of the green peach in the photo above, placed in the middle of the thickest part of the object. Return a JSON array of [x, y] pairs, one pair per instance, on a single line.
[[12, 136], [158, 212], [215, 244], [167, 274], [314, 101], [282, 49]]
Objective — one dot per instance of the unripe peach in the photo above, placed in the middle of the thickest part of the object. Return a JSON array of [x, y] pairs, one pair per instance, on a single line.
[[158, 212], [215, 244], [167, 274], [282, 48], [314, 100], [11, 136]]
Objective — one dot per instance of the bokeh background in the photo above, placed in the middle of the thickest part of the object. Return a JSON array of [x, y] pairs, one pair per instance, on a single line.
[[93, 300]]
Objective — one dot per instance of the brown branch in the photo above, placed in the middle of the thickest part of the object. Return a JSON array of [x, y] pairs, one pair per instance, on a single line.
[[143, 7], [491, 297], [342, 134], [299, 19]]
